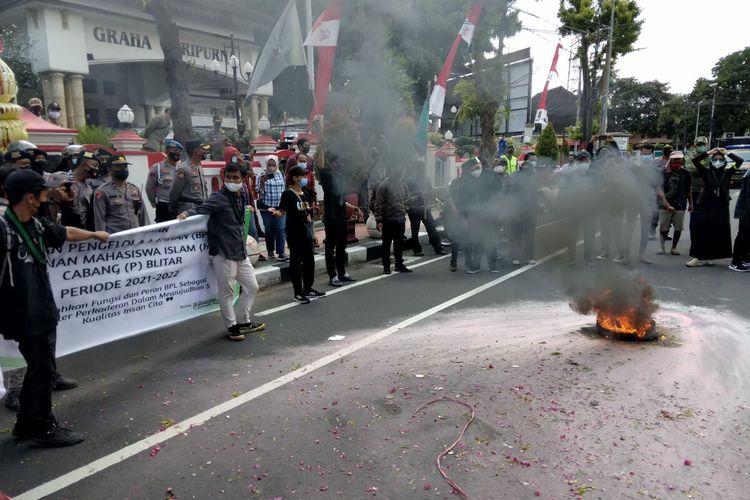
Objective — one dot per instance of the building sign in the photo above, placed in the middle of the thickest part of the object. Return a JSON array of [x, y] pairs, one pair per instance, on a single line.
[[130, 39]]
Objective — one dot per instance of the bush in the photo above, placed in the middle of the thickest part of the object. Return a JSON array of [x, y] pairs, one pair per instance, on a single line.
[[94, 134], [435, 138], [546, 146]]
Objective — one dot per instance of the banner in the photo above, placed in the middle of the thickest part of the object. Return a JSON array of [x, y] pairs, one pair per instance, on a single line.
[[140, 280]]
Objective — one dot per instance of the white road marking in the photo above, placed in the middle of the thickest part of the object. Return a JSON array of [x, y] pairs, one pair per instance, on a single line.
[[185, 426]]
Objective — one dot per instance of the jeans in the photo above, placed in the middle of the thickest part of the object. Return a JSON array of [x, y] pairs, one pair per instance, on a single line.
[[301, 263], [336, 239], [417, 216], [228, 272], [275, 233], [393, 231], [36, 392]]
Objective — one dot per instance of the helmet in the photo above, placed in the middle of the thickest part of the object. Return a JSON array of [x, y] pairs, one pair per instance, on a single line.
[[170, 143], [701, 140], [54, 105], [71, 150], [21, 146], [35, 101]]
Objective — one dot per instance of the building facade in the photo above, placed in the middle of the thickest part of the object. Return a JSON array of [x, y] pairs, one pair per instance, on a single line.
[[94, 56]]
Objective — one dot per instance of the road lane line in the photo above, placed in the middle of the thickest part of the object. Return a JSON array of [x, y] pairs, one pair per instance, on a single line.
[[187, 425]]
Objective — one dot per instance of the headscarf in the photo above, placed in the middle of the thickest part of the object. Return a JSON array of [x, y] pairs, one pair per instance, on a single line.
[[274, 158]]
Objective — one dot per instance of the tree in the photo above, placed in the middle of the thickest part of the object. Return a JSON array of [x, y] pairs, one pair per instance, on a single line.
[[16, 49], [546, 146], [589, 20], [732, 74], [635, 105]]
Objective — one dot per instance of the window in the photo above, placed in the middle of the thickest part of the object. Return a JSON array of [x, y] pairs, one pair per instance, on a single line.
[[109, 87], [89, 86]]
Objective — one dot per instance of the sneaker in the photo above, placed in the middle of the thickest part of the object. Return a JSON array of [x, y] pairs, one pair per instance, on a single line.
[[403, 269], [674, 251], [418, 254], [301, 299], [695, 263], [235, 334], [251, 327], [668, 238], [494, 269], [453, 267], [12, 402], [283, 258], [472, 270], [261, 258], [531, 262], [347, 279], [313, 294], [56, 437], [603, 256], [621, 260], [386, 270], [516, 262], [335, 282], [644, 260], [740, 268], [21, 431], [439, 252], [60, 383]]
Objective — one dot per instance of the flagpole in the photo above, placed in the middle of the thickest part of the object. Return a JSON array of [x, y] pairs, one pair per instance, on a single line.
[[310, 48]]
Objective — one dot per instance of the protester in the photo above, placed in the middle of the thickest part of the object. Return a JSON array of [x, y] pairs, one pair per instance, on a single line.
[[303, 154], [228, 252], [296, 206], [390, 214], [333, 182], [189, 187], [576, 185], [700, 147], [271, 184], [524, 188], [420, 197], [489, 218], [463, 205], [160, 179], [25, 290], [118, 204], [710, 231], [53, 113], [741, 250], [376, 171], [677, 191], [157, 130]]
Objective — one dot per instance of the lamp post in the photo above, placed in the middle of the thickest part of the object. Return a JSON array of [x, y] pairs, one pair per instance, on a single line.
[[448, 136], [711, 120], [125, 116], [264, 125], [698, 118]]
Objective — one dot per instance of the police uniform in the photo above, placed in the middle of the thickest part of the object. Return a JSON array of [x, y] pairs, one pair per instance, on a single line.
[[216, 139], [81, 214], [158, 186], [244, 143], [188, 189], [118, 208]]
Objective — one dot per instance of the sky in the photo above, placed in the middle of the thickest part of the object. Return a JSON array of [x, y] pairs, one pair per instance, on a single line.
[[675, 45]]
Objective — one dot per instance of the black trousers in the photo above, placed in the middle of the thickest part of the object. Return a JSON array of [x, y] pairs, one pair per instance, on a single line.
[[36, 393], [335, 247], [741, 252], [393, 232], [417, 216], [301, 263], [163, 213], [575, 224]]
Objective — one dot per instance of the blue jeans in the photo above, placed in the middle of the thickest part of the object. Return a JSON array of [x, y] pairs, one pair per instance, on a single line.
[[275, 233]]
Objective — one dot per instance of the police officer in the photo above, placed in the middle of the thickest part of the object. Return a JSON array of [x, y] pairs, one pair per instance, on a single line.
[[217, 138], [77, 210], [20, 153], [101, 176], [189, 187], [53, 113], [243, 140], [35, 106], [157, 130], [68, 158], [118, 204], [160, 179]]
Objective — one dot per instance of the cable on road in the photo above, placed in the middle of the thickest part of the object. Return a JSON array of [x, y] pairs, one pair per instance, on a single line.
[[449, 449]]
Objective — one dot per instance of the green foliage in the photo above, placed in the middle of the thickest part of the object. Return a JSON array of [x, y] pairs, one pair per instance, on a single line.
[[435, 138], [94, 134], [636, 105], [16, 53], [546, 146], [732, 74], [574, 132]]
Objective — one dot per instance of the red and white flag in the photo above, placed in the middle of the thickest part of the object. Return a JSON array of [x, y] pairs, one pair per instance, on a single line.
[[324, 35], [541, 110], [437, 98], [325, 30]]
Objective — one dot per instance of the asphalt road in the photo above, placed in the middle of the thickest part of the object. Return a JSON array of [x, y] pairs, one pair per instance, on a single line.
[[293, 414]]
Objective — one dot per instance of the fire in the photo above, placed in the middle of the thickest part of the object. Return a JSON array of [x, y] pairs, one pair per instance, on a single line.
[[626, 324]]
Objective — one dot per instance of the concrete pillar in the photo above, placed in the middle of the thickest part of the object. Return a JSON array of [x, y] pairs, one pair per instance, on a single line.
[[140, 116], [57, 89], [158, 110], [254, 131], [148, 112], [264, 106], [67, 118], [76, 90]]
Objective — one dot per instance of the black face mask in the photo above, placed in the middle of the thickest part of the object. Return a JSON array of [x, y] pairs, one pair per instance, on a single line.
[[174, 156], [120, 175], [43, 209], [39, 166], [305, 149]]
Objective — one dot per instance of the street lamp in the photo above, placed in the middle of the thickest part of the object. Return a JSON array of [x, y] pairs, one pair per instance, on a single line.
[[264, 125], [125, 116], [215, 67], [247, 69], [448, 136], [454, 110]]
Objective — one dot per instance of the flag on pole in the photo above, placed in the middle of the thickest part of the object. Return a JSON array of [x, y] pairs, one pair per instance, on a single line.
[[324, 36], [541, 110], [424, 125], [283, 49], [437, 99]]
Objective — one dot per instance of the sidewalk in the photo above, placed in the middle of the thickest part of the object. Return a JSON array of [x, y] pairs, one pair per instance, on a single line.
[[273, 272]]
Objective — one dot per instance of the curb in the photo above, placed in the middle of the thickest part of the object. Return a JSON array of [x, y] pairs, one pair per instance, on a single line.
[[366, 250]]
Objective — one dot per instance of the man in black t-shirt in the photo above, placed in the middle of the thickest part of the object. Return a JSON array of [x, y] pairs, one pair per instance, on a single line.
[[25, 289], [678, 197]]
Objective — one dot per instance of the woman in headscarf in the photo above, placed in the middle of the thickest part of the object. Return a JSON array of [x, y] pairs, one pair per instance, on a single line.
[[271, 184], [710, 232]]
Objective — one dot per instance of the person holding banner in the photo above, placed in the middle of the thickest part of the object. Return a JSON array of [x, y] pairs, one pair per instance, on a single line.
[[226, 245], [25, 289]]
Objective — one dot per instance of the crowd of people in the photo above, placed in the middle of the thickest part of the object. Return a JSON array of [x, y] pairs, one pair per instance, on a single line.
[[492, 203]]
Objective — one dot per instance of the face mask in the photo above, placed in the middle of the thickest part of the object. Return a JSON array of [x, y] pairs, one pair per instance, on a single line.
[[233, 187], [39, 166], [174, 156], [303, 164], [717, 163], [93, 173], [54, 115], [701, 149], [647, 157], [303, 182], [43, 209], [675, 166], [217, 125], [476, 173], [120, 175], [305, 149]]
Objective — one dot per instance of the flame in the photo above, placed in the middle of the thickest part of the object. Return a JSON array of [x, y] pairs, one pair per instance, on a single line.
[[626, 324]]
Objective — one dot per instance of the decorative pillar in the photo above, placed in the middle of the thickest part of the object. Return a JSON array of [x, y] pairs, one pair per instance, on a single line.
[[254, 129], [57, 89], [76, 90], [158, 110], [264, 106], [148, 112], [67, 117]]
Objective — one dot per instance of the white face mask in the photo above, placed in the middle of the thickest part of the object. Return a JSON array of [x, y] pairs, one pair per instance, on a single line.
[[54, 115], [717, 163], [302, 164], [233, 187], [476, 173]]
